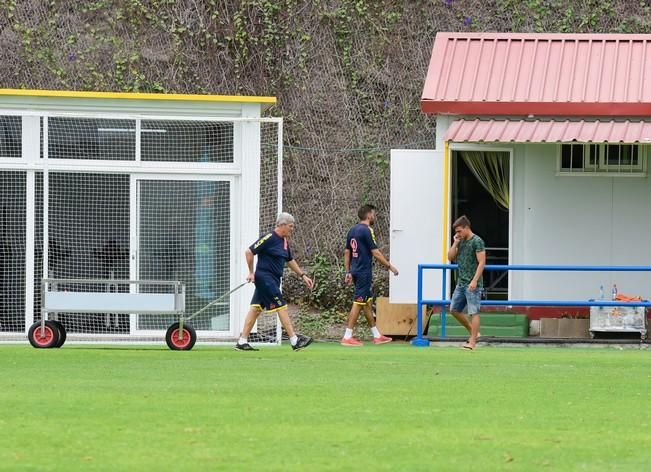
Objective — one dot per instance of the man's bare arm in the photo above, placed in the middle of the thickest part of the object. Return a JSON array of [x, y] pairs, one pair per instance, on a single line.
[[382, 260]]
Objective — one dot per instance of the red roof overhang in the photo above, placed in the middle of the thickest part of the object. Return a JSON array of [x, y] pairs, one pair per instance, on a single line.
[[549, 131], [535, 108]]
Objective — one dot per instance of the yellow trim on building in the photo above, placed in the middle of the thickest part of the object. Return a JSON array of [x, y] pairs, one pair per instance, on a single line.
[[137, 96], [445, 227]]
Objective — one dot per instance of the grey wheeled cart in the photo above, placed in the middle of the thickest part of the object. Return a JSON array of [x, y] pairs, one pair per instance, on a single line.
[[163, 301], [618, 319]]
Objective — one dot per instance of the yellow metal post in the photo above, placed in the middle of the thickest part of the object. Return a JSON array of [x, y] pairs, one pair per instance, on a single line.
[[446, 201]]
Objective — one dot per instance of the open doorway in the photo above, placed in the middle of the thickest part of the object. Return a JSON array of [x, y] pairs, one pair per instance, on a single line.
[[484, 200]]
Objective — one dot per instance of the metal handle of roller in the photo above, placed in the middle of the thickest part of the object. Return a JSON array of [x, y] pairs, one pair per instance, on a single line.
[[216, 300]]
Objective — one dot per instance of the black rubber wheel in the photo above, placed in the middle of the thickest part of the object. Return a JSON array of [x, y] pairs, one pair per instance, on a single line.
[[62, 333], [172, 337], [46, 339]]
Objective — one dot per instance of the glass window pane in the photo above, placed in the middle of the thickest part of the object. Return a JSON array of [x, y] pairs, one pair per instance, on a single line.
[[185, 235], [88, 239], [11, 136], [91, 139], [566, 156], [577, 156], [187, 141], [12, 251], [612, 155], [633, 154], [594, 155], [625, 152]]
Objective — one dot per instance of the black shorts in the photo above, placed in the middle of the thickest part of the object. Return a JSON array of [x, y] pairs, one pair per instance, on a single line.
[[363, 282], [267, 295]]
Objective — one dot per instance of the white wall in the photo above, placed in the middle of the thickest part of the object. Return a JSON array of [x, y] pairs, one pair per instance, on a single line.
[[247, 145], [417, 217], [576, 220]]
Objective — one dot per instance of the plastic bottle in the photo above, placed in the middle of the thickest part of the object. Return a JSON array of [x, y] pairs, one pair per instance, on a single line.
[[614, 291], [601, 292]]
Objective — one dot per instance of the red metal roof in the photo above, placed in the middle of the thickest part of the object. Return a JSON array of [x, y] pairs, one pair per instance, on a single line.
[[539, 74], [537, 131]]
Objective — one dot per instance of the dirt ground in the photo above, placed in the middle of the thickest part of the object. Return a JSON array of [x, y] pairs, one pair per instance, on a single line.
[[324, 326]]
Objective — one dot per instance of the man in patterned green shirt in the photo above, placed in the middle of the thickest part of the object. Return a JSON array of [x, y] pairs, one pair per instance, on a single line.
[[469, 252]]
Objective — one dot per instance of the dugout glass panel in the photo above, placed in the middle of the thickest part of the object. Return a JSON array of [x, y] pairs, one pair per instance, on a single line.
[[184, 229], [10, 137], [91, 139], [88, 238], [187, 141], [12, 251], [38, 243]]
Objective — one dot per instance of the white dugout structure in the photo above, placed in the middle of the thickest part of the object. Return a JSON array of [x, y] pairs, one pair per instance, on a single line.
[[131, 186]]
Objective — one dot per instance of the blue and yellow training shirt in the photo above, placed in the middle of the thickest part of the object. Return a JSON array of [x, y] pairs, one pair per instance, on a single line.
[[273, 252], [360, 242]]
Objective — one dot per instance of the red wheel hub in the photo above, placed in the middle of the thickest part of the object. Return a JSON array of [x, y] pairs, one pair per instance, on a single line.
[[177, 341], [45, 338]]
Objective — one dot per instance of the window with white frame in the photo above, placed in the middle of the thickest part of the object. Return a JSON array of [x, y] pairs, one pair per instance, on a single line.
[[602, 158], [10, 136]]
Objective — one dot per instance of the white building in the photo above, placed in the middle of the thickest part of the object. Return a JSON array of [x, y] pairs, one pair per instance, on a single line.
[[139, 186], [558, 123]]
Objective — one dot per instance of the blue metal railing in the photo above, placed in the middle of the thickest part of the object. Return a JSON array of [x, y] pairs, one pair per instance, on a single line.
[[443, 303]]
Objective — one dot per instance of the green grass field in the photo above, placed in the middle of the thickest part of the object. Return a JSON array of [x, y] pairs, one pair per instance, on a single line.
[[391, 407]]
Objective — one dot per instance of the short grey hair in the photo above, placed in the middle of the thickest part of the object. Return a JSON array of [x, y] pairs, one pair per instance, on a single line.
[[284, 219]]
